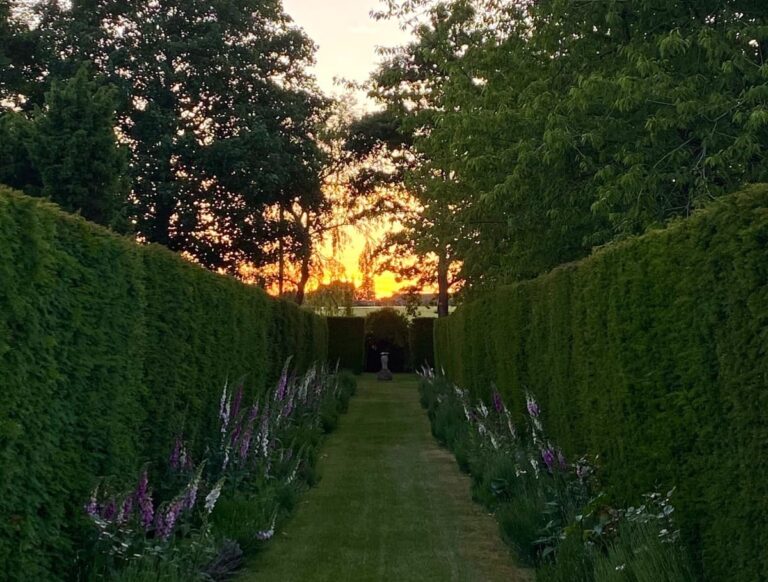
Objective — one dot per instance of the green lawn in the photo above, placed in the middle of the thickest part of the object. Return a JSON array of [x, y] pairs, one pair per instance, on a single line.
[[391, 505]]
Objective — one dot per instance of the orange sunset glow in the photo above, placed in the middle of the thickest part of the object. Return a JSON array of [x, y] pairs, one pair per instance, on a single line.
[[348, 256], [348, 41]]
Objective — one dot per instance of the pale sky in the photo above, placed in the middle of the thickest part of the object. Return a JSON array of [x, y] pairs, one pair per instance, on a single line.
[[347, 39], [346, 35]]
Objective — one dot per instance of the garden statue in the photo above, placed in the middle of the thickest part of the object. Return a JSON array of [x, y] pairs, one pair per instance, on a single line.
[[384, 374]]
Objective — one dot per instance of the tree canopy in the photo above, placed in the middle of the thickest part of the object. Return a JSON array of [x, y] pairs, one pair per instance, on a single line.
[[543, 129], [214, 103]]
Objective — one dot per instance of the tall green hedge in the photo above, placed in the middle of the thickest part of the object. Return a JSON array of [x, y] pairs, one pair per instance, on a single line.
[[108, 350], [347, 342], [421, 342], [653, 354]]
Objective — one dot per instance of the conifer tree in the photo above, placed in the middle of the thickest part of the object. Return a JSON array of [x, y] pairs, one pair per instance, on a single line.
[[74, 149]]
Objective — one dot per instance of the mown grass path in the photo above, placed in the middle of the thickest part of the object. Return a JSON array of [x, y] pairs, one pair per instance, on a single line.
[[391, 505]]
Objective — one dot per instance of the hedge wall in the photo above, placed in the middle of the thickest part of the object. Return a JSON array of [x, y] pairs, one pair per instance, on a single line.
[[108, 350], [347, 342], [651, 353], [421, 342]]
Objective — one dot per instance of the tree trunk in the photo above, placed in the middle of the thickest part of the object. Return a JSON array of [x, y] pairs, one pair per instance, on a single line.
[[304, 279], [442, 285], [281, 258]]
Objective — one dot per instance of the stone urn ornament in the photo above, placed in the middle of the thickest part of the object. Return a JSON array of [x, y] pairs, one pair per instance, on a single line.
[[384, 374]]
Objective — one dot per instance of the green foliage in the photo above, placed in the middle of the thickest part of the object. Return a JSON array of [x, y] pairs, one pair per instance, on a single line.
[[651, 354], [347, 343], [75, 151], [386, 330], [551, 512], [217, 105], [338, 404], [239, 517], [108, 351], [19, 55], [572, 565], [16, 167], [335, 298], [68, 151], [543, 129], [154, 571], [640, 555], [387, 326], [421, 343]]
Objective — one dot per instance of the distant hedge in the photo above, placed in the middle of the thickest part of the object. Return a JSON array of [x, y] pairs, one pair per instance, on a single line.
[[653, 354], [108, 350], [421, 342], [347, 342]]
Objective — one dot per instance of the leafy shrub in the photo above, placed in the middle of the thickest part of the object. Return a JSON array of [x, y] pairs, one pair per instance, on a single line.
[[386, 330], [573, 564], [650, 354], [257, 463], [640, 555], [550, 511], [522, 519]]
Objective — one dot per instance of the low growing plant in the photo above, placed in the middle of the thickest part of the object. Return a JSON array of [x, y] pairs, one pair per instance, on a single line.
[[550, 510], [193, 519]]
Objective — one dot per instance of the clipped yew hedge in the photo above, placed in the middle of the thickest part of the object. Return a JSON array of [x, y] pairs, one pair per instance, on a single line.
[[347, 343], [108, 350], [653, 354], [421, 342]]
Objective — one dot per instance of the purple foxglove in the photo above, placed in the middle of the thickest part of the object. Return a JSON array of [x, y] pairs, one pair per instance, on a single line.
[[245, 444], [235, 434], [190, 496], [167, 522], [126, 508], [498, 403], [238, 402], [288, 408], [144, 501], [175, 459], [110, 510], [282, 385], [159, 525], [92, 507], [548, 456]]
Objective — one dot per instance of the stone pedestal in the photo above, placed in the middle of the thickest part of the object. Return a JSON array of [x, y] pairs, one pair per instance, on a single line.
[[384, 374]]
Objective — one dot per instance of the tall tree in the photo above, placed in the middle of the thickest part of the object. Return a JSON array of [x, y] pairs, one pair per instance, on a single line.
[[571, 124], [20, 56], [74, 149], [216, 107], [16, 167], [332, 299], [410, 84], [367, 265]]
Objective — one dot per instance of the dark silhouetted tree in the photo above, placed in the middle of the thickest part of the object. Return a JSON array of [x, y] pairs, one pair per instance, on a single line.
[[74, 150]]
